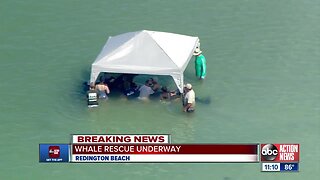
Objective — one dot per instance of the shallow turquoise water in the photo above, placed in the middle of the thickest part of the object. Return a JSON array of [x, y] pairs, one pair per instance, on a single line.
[[263, 80]]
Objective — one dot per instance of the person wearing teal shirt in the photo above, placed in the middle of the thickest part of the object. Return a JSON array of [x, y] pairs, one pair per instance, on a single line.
[[200, 64]]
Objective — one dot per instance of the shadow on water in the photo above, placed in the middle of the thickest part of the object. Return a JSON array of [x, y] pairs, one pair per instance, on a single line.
[[205, 100]]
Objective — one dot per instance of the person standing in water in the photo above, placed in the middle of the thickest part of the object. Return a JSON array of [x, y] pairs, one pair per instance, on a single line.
[[189, 99], [200, 64], [103, 90], [145, 91]]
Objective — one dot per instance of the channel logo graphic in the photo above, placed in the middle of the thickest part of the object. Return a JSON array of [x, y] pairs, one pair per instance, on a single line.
[[280, 152], [54, 152], [269, 152]]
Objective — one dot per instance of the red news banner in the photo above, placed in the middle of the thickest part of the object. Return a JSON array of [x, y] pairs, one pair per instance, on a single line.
[[155, 148], [165, 149]]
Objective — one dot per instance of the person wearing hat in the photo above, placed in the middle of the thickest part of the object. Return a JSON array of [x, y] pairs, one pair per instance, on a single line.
[[200, 64], [92, 96], [189, 99]]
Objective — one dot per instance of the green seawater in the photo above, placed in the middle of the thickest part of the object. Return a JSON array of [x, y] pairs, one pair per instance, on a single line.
[[263, 60]]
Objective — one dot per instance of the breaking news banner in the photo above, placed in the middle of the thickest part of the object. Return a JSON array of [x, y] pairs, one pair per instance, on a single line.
[[280, 157], [126, 139], [164, 153], [54, 153], [155, 148], [144, 148]]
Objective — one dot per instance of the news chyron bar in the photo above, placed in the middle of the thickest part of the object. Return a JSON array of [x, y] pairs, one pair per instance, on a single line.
[[157, 148], [143, 148], [280, 157]]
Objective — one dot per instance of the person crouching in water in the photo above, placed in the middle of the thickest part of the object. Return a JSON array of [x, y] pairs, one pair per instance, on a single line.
[[169, 95], [155, 86], [103, 90], [189, 100], [145, 91], [92, 97]]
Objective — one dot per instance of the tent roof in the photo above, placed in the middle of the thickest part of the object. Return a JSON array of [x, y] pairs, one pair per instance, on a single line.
[[145, 52]]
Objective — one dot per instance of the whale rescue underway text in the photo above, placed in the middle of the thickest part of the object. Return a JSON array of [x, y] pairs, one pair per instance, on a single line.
[[110, 149]]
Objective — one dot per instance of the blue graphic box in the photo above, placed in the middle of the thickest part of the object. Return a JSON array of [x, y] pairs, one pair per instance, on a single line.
[[54, 153], [289, 166]]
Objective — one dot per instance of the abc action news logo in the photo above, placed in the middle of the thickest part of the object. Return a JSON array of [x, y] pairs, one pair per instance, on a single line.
[[280, 152]]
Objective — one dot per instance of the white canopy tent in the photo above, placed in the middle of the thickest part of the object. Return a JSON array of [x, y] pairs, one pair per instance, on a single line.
[[146, 52]]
